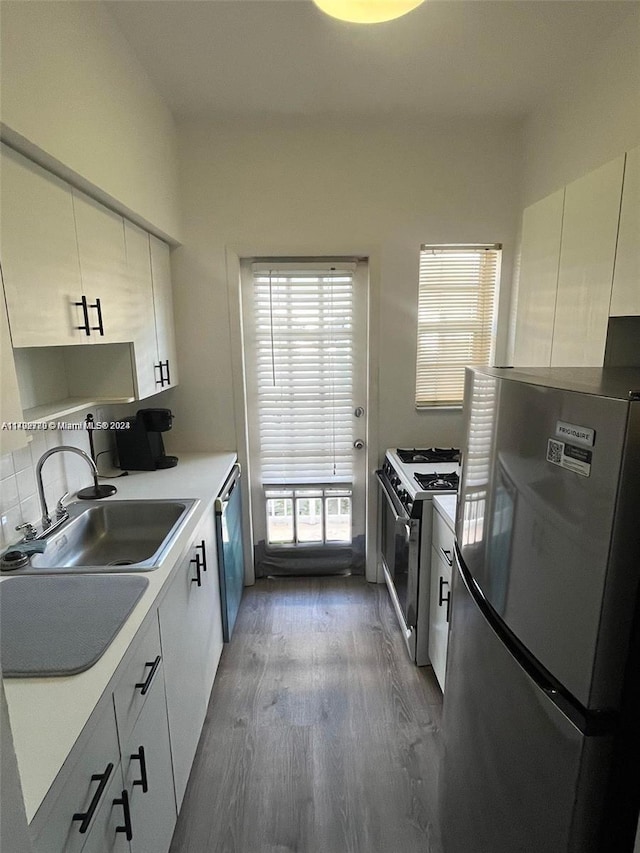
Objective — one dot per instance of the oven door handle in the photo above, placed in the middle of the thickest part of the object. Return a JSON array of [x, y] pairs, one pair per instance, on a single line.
[[403, 519]]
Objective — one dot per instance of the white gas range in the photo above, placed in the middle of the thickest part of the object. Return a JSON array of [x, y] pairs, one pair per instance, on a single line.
[[408, 480]]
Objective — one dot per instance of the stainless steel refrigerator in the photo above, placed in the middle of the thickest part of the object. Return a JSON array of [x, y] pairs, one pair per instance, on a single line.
[[541, 718]]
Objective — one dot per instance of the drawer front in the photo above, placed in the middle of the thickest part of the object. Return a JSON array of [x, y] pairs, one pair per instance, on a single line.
[[81, 794], [443, 538], [139, 674]]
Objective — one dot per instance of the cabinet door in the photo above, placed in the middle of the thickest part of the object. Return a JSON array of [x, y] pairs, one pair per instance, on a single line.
[[106, 835], [212, 641], [191, 638], [589, 233], [439, 606], [183, 624], [111, 296], [10, 403], [538, 281], [94, 765], [163, 306], [145, 345], [625, 298], [148, 776], [39, 255]]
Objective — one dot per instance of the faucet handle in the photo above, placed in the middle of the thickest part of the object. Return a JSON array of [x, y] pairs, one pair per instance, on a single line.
[[61, 510], [30, 530]]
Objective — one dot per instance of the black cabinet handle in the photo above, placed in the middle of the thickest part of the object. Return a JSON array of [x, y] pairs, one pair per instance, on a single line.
[[447, 555], [164, 378], [144, 686], [85, 311], [143, 780], [442, 599], [99, 327], [127, 828], [203, 548], [198, 577], [85, 817]]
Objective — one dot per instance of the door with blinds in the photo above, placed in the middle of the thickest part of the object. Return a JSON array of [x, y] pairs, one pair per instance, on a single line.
[[305, 336]]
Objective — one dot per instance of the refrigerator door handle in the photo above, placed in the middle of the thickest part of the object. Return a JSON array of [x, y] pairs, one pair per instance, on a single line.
[[589, 722]]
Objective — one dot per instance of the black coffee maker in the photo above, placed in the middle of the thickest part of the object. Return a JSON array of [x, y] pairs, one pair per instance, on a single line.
[[140, 446]]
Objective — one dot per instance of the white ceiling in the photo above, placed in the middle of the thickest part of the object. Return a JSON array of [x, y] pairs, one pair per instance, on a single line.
[[448, 57]]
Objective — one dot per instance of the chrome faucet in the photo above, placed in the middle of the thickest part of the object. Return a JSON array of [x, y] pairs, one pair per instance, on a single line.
[[61, 514]]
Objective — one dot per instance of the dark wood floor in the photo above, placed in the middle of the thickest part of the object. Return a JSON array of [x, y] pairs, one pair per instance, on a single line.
[[321, 735]]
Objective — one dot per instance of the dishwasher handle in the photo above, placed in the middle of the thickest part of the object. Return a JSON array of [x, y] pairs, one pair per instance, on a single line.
[[227, 489]]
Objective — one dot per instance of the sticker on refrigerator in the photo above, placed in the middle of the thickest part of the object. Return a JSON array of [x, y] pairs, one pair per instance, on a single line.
[[568, 456]]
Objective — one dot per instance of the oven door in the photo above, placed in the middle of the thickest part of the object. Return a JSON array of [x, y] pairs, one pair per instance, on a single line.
[[399, 555]]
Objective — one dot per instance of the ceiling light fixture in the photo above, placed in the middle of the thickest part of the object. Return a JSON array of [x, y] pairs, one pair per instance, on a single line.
[[367, 11]]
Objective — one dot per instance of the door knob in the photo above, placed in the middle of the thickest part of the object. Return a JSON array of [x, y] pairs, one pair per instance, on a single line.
[[358, 444]]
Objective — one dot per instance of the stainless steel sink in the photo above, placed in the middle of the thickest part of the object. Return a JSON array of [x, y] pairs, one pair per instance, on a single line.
[[112, 536]]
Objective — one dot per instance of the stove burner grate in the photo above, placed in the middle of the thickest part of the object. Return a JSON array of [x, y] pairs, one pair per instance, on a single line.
[[429, 454], [437, 482]]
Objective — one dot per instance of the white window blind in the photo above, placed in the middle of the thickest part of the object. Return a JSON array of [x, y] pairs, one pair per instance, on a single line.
[[456, 308], [304, 360]]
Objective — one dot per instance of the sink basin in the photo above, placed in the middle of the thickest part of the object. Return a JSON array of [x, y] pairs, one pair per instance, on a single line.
[[125, 536]]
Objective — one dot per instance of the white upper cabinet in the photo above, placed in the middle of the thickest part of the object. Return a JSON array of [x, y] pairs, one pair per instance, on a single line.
[[39, 255], [585, 277], [155, 365], [538, 281], [112, 299], [75, 272], [10, 403], [163, 307], [146, 369], [625, 297]]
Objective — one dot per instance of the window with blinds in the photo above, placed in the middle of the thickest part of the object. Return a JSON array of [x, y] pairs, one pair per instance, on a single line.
[[456, 318], [304, 374]]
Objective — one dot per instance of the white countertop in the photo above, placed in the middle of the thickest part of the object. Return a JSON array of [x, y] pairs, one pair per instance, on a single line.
[[446, 506], [48, 714]]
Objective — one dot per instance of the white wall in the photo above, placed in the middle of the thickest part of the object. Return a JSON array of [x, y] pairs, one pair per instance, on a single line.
[[596, 117], [72, 88], [326, 187]]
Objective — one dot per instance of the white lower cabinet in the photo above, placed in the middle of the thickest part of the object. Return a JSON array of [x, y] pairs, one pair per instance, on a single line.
[[440, 601], [67, 817], [111, 827], [123, 782], [191, 633], [148, 779], [143, 734]]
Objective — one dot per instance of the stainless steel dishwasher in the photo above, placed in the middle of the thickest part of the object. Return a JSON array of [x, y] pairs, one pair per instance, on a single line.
[[230, 552]]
